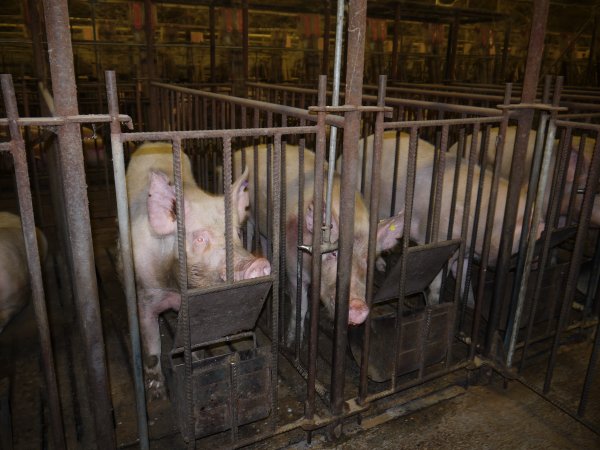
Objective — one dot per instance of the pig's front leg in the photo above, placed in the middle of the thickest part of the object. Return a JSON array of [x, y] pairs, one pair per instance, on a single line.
[[152, 302]]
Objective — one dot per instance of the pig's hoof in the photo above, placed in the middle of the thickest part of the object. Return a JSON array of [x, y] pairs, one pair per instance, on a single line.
[[380, 264], [155, 386]]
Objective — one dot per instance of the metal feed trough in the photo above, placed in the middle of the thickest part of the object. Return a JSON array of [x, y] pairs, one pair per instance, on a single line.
[[430, 327], [231, 389]]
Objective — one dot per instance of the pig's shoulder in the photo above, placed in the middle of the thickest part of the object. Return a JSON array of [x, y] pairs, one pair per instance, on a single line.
[[9, 220]]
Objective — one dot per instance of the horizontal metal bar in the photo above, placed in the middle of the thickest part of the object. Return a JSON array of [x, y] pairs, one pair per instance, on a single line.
[[578, 125], [61, 120], [222, 340], [346, 108], [211, 134], [536, 106], [439, 122], [264, 106]]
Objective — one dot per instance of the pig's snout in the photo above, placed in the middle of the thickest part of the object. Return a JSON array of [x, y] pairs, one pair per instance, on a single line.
[[260, 267], [358, 311]]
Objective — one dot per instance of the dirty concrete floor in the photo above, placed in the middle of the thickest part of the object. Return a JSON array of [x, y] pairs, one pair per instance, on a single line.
[[484, 417]]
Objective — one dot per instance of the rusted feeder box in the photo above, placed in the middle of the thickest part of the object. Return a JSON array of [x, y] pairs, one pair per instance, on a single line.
[[231, 388], [424, 334]]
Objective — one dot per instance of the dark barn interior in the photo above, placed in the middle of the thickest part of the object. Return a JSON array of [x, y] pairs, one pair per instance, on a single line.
[[161, 162]]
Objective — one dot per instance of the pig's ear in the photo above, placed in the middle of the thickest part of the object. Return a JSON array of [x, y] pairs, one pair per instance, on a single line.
[[389, 231], [241, 197], [161, 204]]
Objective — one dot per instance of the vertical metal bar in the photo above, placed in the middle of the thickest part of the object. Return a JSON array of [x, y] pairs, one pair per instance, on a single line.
[[81, 252], [485, 252], [213, 42], [571, 285], [190, 432], [507, 32], [357, 18], [411, 170], [395, 43], [245, 41], [537, 214], [33, 260], [299, 255], [227, 181], [317, 239], [373, 220], [451, 50], [335, 99], [275, 264], [150, 69], [127, 256], [590, 374], [535, 179], [326, 33], [592, 56], [532, 70]]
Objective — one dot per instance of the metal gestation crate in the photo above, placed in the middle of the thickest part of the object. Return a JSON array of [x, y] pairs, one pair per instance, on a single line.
[[230, 389]]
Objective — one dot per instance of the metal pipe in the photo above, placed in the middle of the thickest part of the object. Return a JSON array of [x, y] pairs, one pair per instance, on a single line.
[[33, 261], [451, 50], [537, 215], [534, 62], [127, 256], [571, 284], [317, 240], [373, 220], [357, 18], [80, 250], [335, 101]]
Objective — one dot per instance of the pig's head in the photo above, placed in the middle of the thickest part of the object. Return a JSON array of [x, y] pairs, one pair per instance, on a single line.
[[205, 229], [387, 234]]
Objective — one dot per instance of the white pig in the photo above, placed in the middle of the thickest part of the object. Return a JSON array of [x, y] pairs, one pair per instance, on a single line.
[[507, 162], [387, 234], [150, 186], [423, 179], [14, 275]]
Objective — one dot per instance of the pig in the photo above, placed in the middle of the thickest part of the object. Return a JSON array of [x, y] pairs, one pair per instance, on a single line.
[[507, 155], [424, 175], [154, 239], [14, 274], [387, 233]]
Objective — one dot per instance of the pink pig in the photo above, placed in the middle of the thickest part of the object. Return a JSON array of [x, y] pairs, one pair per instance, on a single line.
[[150, 186]]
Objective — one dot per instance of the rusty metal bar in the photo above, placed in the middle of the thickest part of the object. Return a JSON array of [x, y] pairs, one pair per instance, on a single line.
[[275, 265], [317, 239], [263, 106], [534, 61], [373, 221], [357, 16], [395, 43], [127, 257], [537, 215], [451, 49], [590, 374], [300, 257], [335, 100], [80, 251], [571, 284], [33, 261], [189, 426], [485, 252]]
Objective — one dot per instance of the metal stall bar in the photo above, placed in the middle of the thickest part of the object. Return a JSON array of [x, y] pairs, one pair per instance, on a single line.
[[571, 284], [357, 17], [335, 101], [373, 220], [514, 324], [485, 253], [127, 257], [80, 251], [317, 250], [33, 261], [534, 61]]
